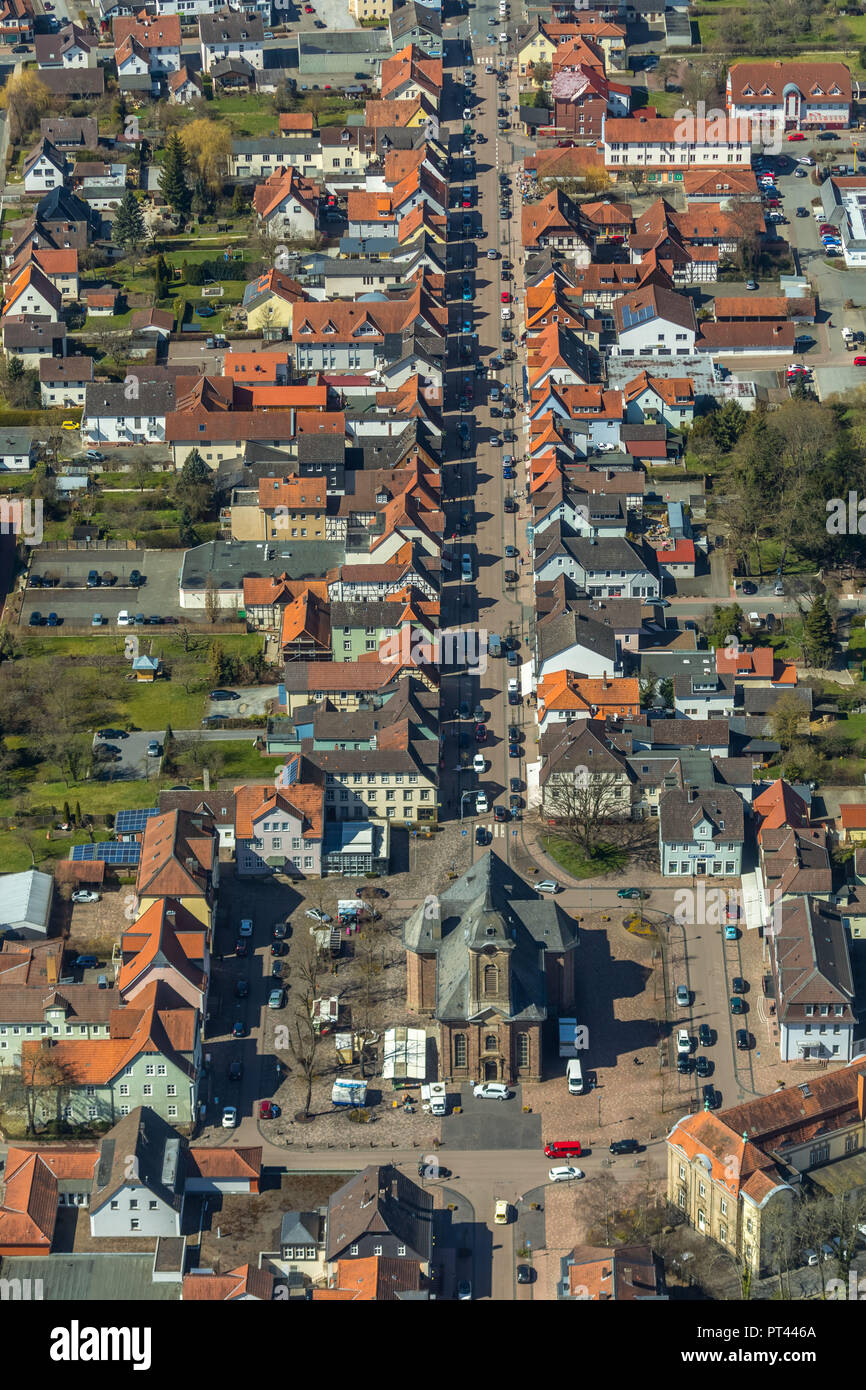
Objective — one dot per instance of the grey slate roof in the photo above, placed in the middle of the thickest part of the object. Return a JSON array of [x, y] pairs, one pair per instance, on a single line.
[[159, 1154], [111, 398], [229, 26], [380, 1199], [681, 811], [558, 634], [490, 904], [300, 1228]]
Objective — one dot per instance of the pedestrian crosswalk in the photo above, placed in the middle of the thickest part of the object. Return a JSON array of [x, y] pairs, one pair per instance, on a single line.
[[496, 828]]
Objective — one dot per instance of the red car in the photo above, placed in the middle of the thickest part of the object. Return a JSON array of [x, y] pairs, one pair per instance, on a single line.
[[796, 135], [505, 297], [268, 1110], [480, 733], [772, 202], [860, 361]]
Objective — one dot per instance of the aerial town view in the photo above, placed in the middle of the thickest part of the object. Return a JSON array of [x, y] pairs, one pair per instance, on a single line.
[[433, 656]]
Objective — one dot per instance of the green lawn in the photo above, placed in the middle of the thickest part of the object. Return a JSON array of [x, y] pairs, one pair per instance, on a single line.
[[110, 323], [607, 859], [252, 116]]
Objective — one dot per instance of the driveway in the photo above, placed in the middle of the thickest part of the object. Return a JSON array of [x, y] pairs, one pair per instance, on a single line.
[[254, 700]]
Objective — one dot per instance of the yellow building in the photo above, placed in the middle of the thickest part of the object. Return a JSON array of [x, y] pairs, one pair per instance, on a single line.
[[733, 1174], [370, 9]]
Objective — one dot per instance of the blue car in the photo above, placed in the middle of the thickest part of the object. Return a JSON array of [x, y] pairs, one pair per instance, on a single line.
[[508, 473], [467, 288], [467, 325]]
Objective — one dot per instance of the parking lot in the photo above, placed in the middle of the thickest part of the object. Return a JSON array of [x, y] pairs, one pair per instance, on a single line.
[[70, 598], [135, 761]]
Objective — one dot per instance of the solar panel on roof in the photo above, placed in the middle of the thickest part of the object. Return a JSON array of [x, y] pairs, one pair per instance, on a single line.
[[631, 317], [108, 851], [131, 822]]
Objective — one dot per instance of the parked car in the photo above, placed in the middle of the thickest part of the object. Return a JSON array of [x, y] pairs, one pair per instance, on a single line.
[[224, 695], [640, 893], [239, 1028], [464, 1290], [85, 895], [624, 1146], [86, 962], [491, 1090], [153, 749], [269, 1110], [230, 1116], [565, 1173], [684, 998], [703, 1065], [316, 915], [705, 1035], [547, 885], [684, 1042]]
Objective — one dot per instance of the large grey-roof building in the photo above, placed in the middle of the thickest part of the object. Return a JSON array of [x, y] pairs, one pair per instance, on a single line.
[[491, 961], [25, 903]]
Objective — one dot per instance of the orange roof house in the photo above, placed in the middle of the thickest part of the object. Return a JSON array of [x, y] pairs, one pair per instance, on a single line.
[[296, 123], [399, 113], [262, 364], [580, 697], [179, 859], [853, 818], [755, 664], [375, 1278], [167, 943], [240, 1285], [155, 1025], [303, 800], [28, 1214], [409, 73], [306, 628], [552, 221], [626, 1273], [779, 806], [150, 31], [286, 185]]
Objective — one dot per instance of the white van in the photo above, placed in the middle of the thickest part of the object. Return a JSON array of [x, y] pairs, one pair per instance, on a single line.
[[574, 1076]]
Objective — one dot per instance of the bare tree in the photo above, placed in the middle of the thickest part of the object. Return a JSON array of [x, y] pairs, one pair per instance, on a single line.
[[581, 801], [303, 1038], [44, 1078], [597, 1206], [211, 599]]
